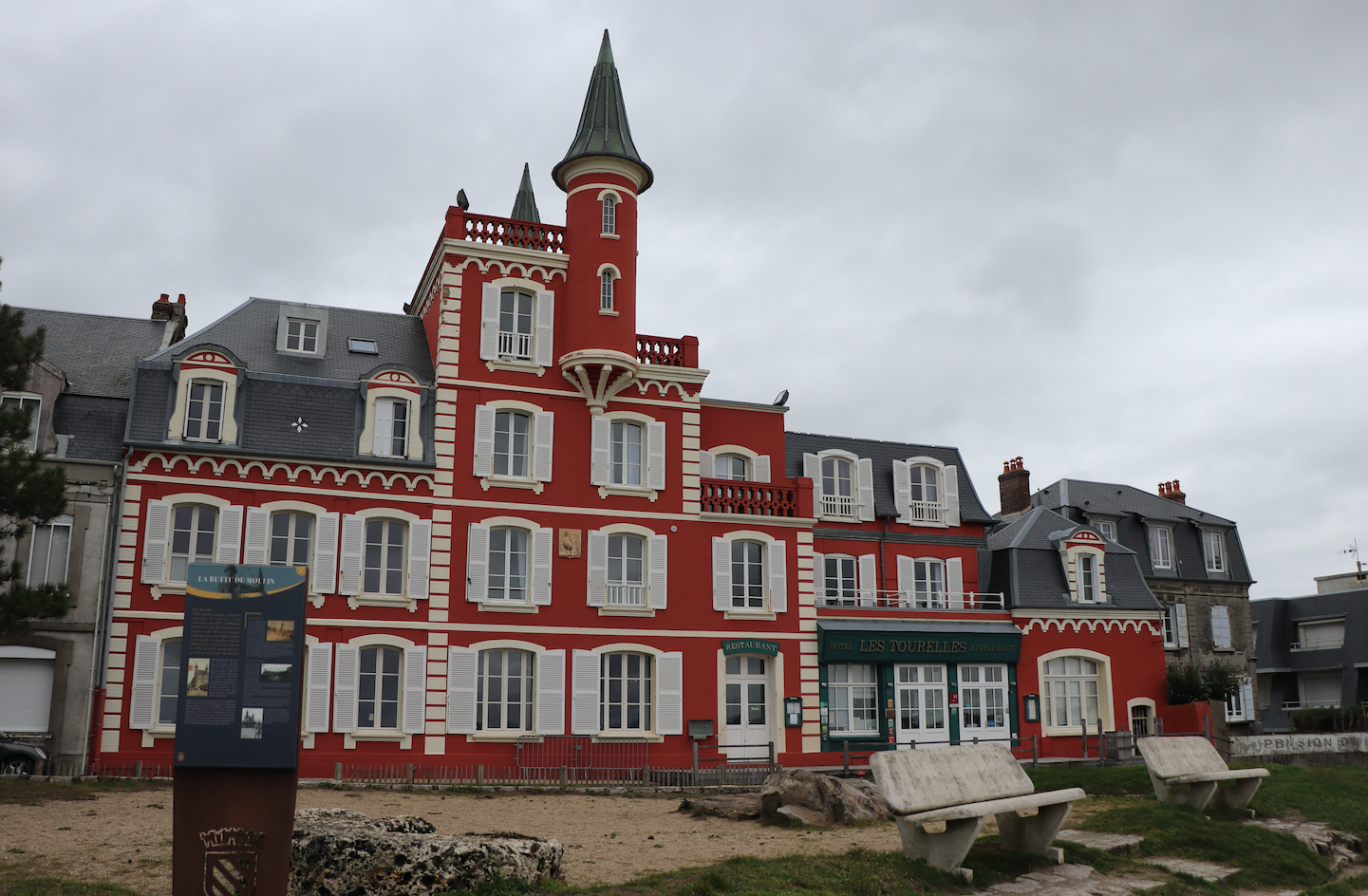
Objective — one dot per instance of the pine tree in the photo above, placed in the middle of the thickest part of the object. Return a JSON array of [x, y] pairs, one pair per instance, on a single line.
[[31, 493]]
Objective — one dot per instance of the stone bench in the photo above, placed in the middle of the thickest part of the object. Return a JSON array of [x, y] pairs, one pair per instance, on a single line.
[[1189, 771], [962, 786]]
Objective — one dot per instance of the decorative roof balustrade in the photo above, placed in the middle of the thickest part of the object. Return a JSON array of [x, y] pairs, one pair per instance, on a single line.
[[666, 352], [902, 600], [749, 498], [509, 232]]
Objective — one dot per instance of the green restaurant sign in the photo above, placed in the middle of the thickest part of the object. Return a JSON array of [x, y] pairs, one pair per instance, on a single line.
[[853, 646], [750, 645]]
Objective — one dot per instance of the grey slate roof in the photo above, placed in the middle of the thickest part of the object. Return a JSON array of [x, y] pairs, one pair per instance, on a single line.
[[1130, 507], [95, 424], [796, 444], [1027, 566], [95, 351]]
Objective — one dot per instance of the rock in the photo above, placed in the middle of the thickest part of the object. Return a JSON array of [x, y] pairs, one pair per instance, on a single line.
[[828, 800], [736, 806], [337, 852], [1340, 849]]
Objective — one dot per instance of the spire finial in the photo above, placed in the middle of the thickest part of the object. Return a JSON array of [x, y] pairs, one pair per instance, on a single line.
[[525, 205], [603, 128]]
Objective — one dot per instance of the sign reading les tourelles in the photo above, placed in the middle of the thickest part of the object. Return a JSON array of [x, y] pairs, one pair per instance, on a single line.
[[242, 651], [918, 647]]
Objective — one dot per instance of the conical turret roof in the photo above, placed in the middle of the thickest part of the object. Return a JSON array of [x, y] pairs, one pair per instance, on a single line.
[[525, 206], [603, 129]]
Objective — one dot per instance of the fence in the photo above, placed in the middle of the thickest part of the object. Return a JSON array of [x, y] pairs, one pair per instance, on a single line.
[[1029, 746]]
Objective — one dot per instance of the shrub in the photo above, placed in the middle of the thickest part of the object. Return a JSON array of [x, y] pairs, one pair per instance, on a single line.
[[1191, 683], [1330, 719]]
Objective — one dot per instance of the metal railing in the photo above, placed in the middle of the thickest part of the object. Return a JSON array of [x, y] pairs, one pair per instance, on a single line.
[[515, 345], [926, 511], [905, 600]]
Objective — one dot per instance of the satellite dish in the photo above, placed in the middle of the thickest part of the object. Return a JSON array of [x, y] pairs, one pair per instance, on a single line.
[[781, 399]]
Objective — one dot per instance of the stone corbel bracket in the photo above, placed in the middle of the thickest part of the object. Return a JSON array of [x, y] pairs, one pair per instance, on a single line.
[[599, 375]]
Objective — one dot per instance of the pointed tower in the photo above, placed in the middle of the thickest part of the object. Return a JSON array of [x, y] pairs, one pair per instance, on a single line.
[[602, 174], [525, 205]]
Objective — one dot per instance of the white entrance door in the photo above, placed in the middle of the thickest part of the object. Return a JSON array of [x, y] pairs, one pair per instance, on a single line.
[[747, 691], [921, 706], [983, 703]]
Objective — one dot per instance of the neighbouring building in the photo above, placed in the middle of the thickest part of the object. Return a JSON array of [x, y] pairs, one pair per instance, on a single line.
[[79, 393], [1191, 560]]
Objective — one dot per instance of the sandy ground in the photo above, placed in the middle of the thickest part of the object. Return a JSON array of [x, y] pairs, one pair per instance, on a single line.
[[125, 838]]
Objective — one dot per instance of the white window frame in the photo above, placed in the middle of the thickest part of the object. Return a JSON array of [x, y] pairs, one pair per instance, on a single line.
[[185, 377], [667, 687], [64, 521], [463, 699], [351, 556], [608, 277], [1076, 560], [385, 571], [610, 202], [540, 438], [951, 595], [653, 453], [848, 687], [775, 575], [823, 580], [376, 444], [942, 513], [146, 689], [347, 689], [158, 534], [301, 338], [540, 354], [1161, 547], [540, 548], [212, 393], [655, 570], [1214, 552], [1105, 528], [1151, 715], [1239, 706], [757, 465], [258, 537], [835, 507], [1104, 691], [28, 398], [1221, 635]]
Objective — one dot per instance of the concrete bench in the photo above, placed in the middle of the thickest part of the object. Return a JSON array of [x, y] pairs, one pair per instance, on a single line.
[[962, 786], [1189, 771]]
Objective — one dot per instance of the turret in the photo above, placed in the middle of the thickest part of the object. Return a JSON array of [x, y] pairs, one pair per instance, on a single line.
[[602, 175]]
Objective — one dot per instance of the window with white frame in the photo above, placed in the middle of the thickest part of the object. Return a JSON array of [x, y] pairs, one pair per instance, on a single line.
[[204, 411], [852, 699], [626, 571], [504, 691], [730, 466], [609, 214], [924, 482], [838, 487], [606, 291], [1140, 716], [843, 485], [1087, 572], [734, 464], [625, 692], [748, 575], [1322, 634], [515, 324], [31, 403], [1107, 529], [508, 568], [186, 529], [155, 681], [508, 562], [928, 583], [193, 528], [168, 682], [512, 444], [391, 427], [926, 492], [385, 558], [625, 444], [1161, 547], [627, 452], [301, 335], [49, 552], [1072, 692], [1220, 628], [291, 539], [838, 580], [378, 688], [1239, 706], [1213, 550]]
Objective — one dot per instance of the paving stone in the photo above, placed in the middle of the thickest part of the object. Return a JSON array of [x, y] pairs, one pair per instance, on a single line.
[[1341, 849], [1205, 870], [1071, 880], [1116, 844]]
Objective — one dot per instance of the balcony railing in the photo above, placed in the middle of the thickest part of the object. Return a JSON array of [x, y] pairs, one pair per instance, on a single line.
[[926, 511], [903, 600], [1293, 705], [515, 345], [753, 499], [838, 505], [663, 351], [626, 595], [518, 234], [1319, 644]]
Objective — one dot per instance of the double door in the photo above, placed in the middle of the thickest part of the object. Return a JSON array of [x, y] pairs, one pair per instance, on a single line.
[[983, 703], [921, 702], [747, 707]]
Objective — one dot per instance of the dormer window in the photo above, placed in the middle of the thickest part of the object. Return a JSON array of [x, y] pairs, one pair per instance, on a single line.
[[843, 484], [206, 389], [204, 411], [301, 336], [393, 413], [1087, 578], [1213, 550], [1085, 568], [926, 492], [391, 427]]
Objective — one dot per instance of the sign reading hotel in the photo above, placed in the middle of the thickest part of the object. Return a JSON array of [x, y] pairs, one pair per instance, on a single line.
[[242, 654], [914, 647]]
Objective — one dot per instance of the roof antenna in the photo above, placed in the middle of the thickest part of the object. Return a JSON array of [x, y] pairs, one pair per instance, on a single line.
[[1353, 550]]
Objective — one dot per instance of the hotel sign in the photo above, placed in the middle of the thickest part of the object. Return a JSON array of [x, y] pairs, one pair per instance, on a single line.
[[918, 647]]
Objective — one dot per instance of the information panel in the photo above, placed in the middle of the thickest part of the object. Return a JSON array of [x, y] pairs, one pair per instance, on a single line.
[[241, 660]]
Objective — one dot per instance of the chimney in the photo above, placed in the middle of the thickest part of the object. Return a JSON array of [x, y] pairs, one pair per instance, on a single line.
[[1172, 491], [174, 315], [1014, 488]]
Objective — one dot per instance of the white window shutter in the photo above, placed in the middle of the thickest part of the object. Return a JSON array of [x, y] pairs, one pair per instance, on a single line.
[[950, 490], [415, 689], [778, 576], [600, 429], [345, 680], [353, 548], [155, 535], [670, 693], [546, 318], [584, 712], [819, 576], [1180, 617], [598, 567], [954, 582], [318, 696], [382, 428], [254, 545], [655, 455], [419, 558], [907, 579], [902, 491], [484, 440], [143, 699], [812, 469], [541, 565], [864, 476], [722, 583], [229, 535], [706, 468], [325, 553], [545, 423], [1250, 710], [489, 322], [760, 468], [462, 671], [658, 578], [867, 586], [551, 692], [477, 563]]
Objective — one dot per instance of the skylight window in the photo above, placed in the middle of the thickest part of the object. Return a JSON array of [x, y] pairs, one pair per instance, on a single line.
[[362, 346]]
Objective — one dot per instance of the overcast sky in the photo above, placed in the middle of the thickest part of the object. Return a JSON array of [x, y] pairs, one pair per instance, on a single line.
[[1125, 241]]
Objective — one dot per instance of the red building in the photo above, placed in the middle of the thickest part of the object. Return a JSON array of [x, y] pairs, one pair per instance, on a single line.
[[523, 520]]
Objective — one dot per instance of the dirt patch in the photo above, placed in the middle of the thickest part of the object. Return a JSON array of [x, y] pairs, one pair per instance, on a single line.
[[125, 837]]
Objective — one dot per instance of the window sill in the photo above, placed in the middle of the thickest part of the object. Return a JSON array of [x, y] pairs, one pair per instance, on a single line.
[[150, 735], [611, 236], [627, 491], [405, 741], [509, 606], [489, 482], [838, 519], [1069, 732], [750, 615], [626, 611], [608, 312], [167, 588], [923, 524], [1223, 650], [508, 737], [609, 736], [518, 366], [399, 603]]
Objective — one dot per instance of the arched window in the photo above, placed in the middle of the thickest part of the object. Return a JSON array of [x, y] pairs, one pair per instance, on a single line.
[[748, 575], [383, 569], [378, 688], [291, 539], [507, 563], [624, 462], [512, 432], [610, 214], [730, 466], [192, 538], [626, 574], [925, 484], [606, 291], [1073, 689], [838, 495], [515, 324], [504, 690]]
